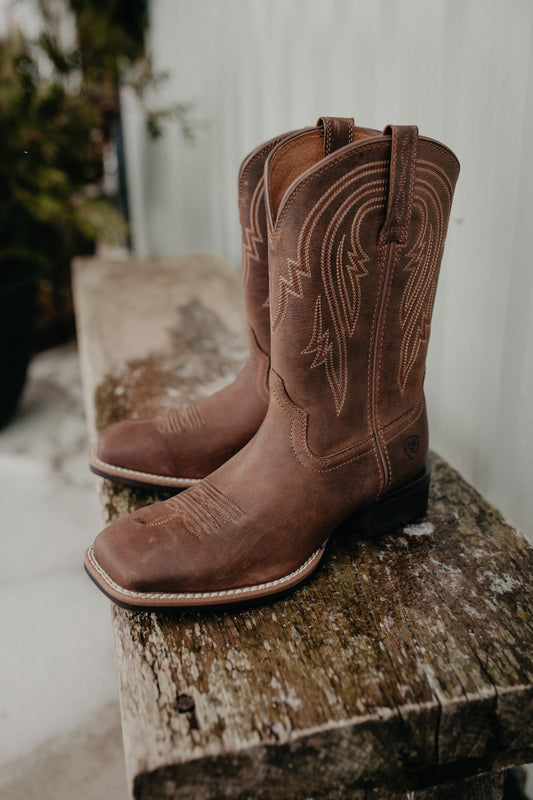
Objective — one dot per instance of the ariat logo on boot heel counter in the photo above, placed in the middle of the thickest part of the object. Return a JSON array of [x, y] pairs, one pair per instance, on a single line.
[[411, 446]]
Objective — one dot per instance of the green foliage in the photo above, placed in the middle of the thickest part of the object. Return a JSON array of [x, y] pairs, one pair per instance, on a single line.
[[59, 105], [108, 34], [50, 165]]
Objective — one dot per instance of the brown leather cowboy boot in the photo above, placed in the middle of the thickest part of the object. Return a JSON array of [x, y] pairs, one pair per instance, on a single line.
[[178, 449], [355, 245]]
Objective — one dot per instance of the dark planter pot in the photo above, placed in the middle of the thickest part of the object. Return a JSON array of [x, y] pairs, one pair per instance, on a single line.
[[17, 320]]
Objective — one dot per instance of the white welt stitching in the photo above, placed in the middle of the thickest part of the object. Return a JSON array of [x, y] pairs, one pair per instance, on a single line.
[[197, 595], [114, 470]]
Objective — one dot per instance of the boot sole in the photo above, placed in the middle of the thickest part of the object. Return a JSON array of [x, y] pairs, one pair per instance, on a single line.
[[392, 511], [135, 478]]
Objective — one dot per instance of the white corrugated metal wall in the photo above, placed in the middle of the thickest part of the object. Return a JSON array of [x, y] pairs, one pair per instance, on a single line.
[[460, 69]]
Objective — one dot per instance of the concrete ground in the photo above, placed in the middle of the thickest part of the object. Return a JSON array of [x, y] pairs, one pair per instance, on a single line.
[[60, 731]]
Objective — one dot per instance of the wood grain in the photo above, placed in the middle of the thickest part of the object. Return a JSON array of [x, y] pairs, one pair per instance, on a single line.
[[402, 663]]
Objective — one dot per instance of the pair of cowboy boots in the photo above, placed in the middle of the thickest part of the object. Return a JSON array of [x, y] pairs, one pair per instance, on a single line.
[[343, 234]]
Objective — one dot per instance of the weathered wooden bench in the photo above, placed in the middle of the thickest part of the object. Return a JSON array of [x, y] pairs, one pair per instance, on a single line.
[[402, 669]]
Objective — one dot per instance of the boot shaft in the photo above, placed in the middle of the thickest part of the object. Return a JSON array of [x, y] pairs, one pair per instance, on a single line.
[[355, 245], [332, 133], [255, 242]]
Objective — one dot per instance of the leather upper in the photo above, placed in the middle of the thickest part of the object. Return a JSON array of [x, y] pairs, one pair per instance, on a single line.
[[352, 285]]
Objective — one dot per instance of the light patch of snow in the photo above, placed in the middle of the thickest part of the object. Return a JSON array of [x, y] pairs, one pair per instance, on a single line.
[[421, 529]]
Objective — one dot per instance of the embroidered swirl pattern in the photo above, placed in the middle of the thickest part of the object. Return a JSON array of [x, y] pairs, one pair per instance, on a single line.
[[341, 212], [252, 235], [423, 263]]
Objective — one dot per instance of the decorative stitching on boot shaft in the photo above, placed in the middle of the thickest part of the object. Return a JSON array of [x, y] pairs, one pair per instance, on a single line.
[[423, 263], [298, 433], [343, 261], [332, 350], [301, 266], [331, 162], [252, 236], [298, 436]]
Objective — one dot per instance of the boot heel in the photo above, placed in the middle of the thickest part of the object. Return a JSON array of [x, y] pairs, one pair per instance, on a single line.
[[396, 508]]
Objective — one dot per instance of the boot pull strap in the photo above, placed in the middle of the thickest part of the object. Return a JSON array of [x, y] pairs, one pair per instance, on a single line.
[[338, 131], [404, 149]]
